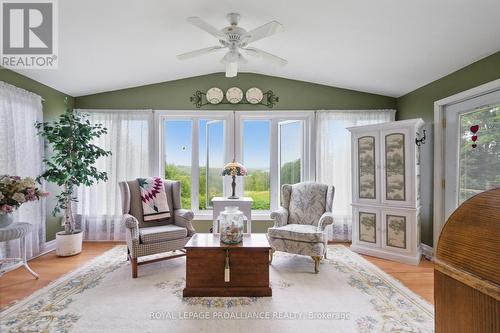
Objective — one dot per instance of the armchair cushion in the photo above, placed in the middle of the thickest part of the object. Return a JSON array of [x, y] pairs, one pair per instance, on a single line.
[[307, 203], [161, 233], [298, 232]]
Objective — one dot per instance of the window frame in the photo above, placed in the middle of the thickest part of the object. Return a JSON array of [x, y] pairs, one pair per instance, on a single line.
[[233, 121], [308, 153]]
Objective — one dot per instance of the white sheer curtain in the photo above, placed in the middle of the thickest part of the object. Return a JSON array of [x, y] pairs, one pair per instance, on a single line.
[[129, 139], [333, 159], [21, 151]]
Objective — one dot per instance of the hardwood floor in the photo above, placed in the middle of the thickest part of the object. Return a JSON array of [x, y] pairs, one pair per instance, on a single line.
[[19, 284], [419, 279]]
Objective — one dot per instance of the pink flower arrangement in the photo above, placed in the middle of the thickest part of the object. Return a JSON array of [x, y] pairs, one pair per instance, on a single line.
[[14, 191]]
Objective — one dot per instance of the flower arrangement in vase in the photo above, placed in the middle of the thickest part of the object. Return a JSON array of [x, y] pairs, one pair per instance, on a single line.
[[15, 191], [234, 169]]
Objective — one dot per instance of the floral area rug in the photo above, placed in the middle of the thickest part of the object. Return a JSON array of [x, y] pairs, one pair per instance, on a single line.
[[348, 295]]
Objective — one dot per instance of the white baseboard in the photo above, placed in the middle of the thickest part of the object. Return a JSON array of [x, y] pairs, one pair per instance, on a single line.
[[47, 247], [105, 241], [427, 251], [381, 253]]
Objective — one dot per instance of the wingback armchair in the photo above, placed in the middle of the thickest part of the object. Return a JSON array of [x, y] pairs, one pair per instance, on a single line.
[[299, 225], [147, 238]]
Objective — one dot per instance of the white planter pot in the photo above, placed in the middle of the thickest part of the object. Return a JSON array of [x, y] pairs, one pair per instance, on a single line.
[[68, 245]]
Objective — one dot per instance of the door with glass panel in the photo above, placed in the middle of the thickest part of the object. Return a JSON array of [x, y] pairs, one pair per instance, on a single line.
[[471, 149], [214, 161], [290, 151]]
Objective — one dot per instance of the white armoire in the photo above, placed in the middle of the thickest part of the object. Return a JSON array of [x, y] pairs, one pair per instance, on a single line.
[[386, 190]]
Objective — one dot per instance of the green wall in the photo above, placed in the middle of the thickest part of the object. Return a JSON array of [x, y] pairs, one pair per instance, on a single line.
[[293, 95], [52, 107], [420, 104]]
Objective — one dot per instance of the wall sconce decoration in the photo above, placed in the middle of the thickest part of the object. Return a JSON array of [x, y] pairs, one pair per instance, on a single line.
[[234, 95], [474, 129], [420, 140]]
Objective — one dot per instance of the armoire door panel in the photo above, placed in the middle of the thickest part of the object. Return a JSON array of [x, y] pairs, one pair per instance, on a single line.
[[397, 233], [397, 183], [366, 177], [367, 226]]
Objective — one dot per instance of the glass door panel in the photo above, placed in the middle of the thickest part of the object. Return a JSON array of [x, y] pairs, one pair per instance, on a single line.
[[211, 161], [290, 152], [479, 161], [472, 149]]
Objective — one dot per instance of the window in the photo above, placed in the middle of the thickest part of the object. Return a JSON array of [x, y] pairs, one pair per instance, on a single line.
[[479, 165], [291, 143], [178, 148], [256, 158], [211, 161], [274, 146]]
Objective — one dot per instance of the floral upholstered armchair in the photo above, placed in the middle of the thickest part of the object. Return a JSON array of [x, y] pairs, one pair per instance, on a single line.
[[299, 225], [147, 238]]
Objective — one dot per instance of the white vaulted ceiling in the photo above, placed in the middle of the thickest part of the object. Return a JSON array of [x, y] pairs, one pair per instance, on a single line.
[[388, 47]]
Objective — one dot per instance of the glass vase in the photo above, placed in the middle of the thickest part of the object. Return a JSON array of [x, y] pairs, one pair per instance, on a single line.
[[231, 225], [6, 220]]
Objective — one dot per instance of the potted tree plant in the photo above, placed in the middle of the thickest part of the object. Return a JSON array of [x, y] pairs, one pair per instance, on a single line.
[[71, 165]]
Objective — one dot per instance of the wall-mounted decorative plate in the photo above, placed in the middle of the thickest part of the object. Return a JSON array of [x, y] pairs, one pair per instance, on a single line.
[[234, 95], [215, 95], [254, 95]]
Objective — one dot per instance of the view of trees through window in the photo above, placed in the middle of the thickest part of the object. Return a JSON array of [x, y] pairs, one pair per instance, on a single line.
[[178, 148], [290, 152], [479, 167], [256, 158], [211, 152]]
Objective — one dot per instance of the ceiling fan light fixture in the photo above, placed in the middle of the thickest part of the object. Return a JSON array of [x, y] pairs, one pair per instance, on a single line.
[[235, 38], [231, 69]]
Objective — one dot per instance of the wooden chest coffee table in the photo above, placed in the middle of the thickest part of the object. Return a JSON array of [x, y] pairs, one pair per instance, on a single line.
[[248, 266]]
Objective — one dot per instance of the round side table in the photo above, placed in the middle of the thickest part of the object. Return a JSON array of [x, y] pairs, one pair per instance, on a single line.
[[11, 232]]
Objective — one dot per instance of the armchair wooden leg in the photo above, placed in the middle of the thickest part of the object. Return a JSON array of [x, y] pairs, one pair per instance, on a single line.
[[317, 260], [133, 262], [271, 252]]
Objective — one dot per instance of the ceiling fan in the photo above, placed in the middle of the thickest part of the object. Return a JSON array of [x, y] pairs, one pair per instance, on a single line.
[[236, 39]]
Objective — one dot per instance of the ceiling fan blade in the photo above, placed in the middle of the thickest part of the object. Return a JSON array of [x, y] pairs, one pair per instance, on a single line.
[[265, 56], [231, 69], [203, 25], [195, 53], [263, 31]]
